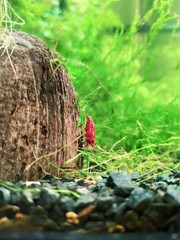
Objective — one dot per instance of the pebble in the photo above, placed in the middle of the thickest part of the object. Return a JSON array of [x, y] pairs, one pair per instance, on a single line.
[[161, 185], [175, 193], [48, 197], [140, 199], [5, 196], [119, 179], [67, 204]]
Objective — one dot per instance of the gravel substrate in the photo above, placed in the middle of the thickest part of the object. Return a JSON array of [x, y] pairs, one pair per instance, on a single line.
[[118, 202]]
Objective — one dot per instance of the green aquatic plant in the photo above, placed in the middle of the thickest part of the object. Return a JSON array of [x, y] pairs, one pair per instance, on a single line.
[[126, 77]]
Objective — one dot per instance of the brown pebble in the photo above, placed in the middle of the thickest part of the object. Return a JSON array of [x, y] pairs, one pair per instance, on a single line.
[[72, 217]]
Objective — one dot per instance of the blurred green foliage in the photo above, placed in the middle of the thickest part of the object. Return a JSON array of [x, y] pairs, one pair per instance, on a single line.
[[126, 77]]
